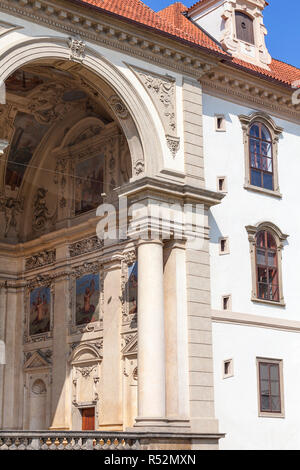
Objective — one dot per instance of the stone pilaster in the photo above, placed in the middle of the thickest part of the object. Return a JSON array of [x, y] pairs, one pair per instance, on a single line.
[[13, 372], [61, 413], [111, 381], [177, 380], [193, 132]]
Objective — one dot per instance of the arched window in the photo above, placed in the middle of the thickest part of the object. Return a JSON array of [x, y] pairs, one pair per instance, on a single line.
[[261, 156], [267, 267], [244, 27]]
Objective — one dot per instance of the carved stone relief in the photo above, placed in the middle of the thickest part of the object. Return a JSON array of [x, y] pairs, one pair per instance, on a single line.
[[118, 107], [129, 259], [11, 208], [41, 216], [77, 49], [162, 90], [43, 258], [86, 245]]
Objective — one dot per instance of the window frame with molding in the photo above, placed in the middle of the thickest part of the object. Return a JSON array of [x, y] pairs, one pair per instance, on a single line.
[[270, 414], [275, 133], [279, 238]]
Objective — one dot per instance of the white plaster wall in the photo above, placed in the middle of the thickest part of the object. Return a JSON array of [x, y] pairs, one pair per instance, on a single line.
[[119, 60], [224, 156], [236, 398]]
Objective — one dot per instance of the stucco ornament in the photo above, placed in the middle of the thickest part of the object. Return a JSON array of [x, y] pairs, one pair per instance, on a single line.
[[41, 215], [118, 107], [162, 90], [77, 49], [11, 208], [85, 246], [40, 259]]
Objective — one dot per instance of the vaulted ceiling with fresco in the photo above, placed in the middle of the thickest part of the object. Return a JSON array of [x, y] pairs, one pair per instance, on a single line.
[[66, 152]]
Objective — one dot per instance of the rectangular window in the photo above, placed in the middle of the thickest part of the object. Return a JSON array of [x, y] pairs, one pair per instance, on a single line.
[[226, 302], [224, 246], [222, 184], [270, 387], [220, 123], [227, 369]]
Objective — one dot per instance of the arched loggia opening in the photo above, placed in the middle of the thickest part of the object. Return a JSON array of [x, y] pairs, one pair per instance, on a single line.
[[71, 142]]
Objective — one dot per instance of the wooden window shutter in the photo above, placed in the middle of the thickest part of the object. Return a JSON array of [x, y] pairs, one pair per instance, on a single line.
[[244, 27]]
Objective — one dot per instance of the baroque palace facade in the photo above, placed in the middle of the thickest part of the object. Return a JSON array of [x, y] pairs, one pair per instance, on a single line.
[[148, 341]]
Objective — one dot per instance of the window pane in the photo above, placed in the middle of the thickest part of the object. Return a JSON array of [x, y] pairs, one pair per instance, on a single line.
[[275, 401], [266, 149], [262, 275], [271, 259], [261, 256], [268, 181], [265, 404], [264, 388], [275, 389], [274, 372], [254, 131], [260, 239], [264, 371], [271, 242], [256, 178], [265, 134], [263, 291]]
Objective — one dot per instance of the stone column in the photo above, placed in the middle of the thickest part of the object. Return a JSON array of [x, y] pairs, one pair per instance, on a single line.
[[111, 381], [177, 380], [60, 409], [151, 335]]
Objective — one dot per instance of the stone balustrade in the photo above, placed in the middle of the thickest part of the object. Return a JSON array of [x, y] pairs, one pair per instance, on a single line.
[[52, 440]]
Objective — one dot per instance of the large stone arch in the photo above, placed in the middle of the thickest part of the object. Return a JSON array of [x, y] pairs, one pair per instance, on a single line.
[[130, 111]]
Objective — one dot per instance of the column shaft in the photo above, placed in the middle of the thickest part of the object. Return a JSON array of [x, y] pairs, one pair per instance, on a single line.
[[151, 336]]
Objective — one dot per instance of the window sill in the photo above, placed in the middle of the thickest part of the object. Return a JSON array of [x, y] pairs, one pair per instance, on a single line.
[[269, 302], [271, 415], [257, 189]]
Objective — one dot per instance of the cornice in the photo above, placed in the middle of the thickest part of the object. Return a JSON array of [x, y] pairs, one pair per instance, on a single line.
[[226, 83], [112, 33]]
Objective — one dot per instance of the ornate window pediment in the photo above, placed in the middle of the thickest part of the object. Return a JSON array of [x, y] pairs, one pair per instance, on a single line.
[[266, 243], [261, 137]]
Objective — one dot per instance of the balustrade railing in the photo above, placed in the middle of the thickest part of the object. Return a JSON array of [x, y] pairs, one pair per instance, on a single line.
[[51, 440]]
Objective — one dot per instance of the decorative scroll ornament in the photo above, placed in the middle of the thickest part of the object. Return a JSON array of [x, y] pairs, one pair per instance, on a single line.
[[173, 144], [40, 259], [41, 214], [139, 167], [85, 246], [118, 106], [162, 90], [77, 49]]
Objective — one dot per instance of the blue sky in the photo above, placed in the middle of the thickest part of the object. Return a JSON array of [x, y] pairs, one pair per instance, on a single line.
[[281, 20]]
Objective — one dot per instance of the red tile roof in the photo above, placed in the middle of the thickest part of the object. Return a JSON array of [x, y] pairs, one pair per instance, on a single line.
[[175, 24]]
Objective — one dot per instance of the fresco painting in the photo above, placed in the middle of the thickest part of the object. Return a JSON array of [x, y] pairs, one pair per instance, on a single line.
[[87, 299], [40, 311], [89, 184]]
